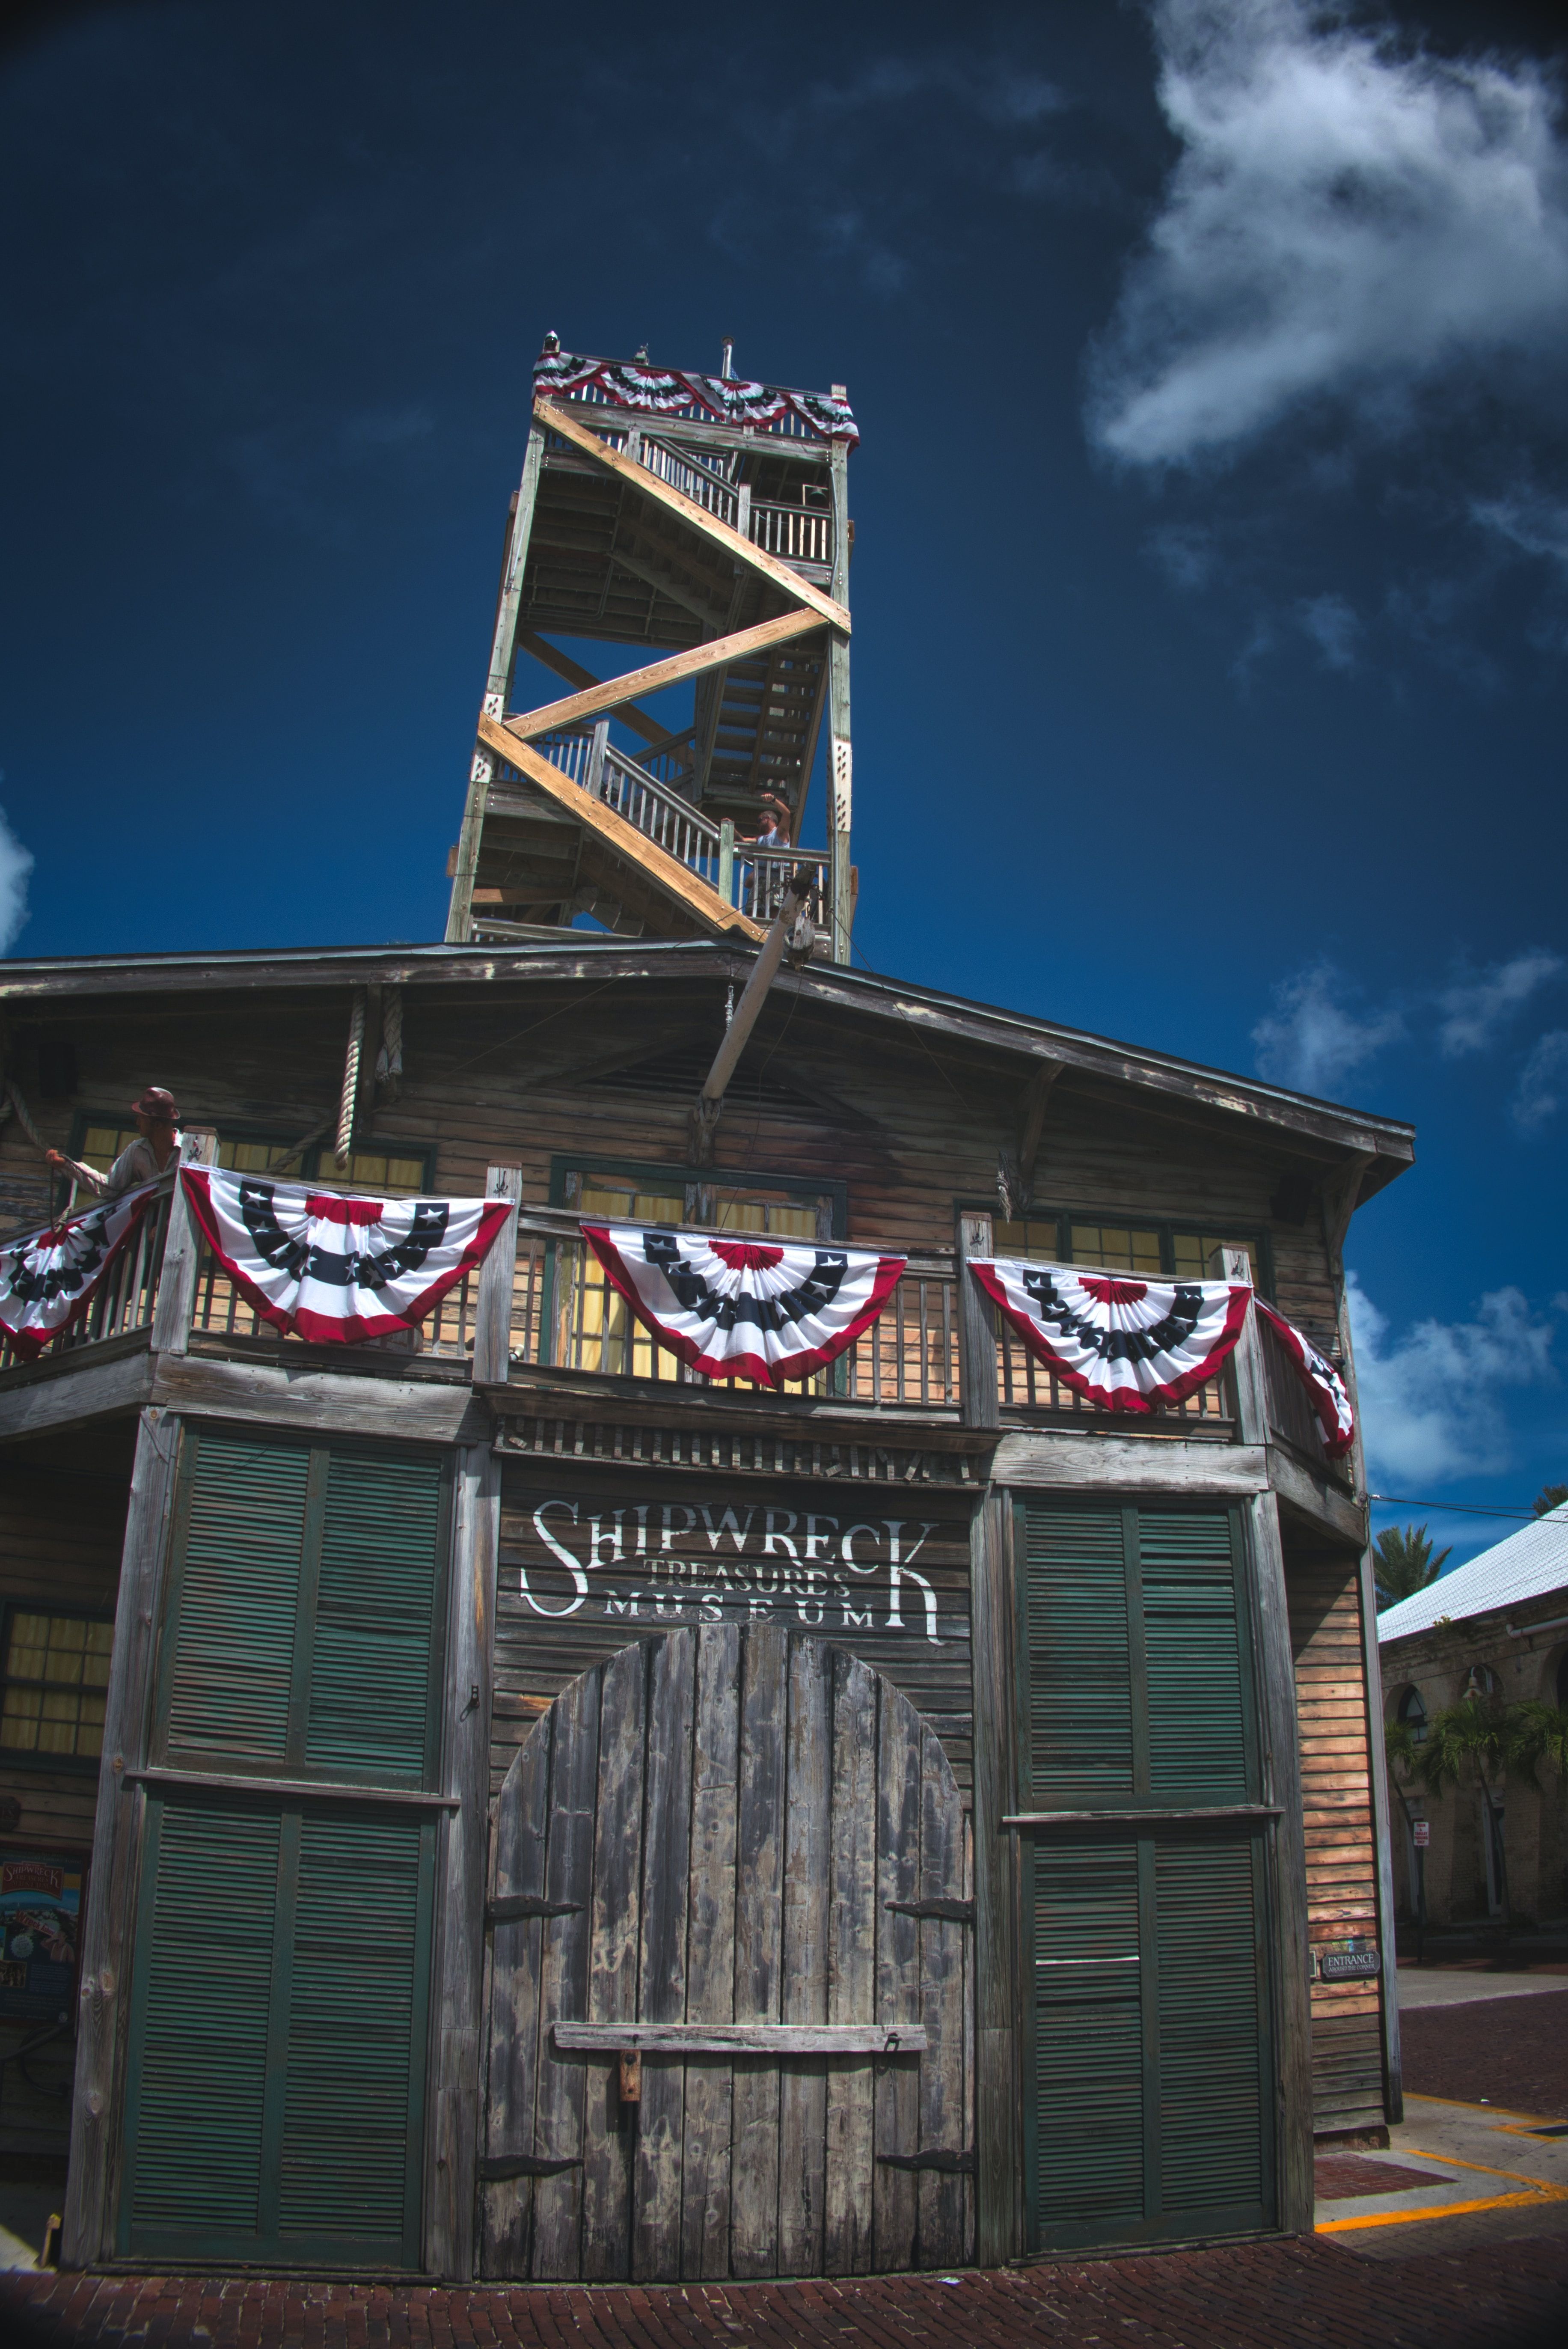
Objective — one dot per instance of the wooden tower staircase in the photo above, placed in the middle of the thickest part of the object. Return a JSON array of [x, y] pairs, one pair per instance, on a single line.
[[700, 523]]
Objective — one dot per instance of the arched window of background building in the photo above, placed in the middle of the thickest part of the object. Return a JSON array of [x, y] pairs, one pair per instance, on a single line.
[[1563, 1679], [1478, 1681], [1412, 1711]]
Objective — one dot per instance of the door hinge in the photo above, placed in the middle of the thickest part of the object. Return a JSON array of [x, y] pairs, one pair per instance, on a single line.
[[951, 1912], [513, 1905], [952, 2165], [493, 2169]]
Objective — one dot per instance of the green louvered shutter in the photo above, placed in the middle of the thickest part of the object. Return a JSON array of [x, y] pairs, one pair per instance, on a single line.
[[280, 1995], [1152, 2117]]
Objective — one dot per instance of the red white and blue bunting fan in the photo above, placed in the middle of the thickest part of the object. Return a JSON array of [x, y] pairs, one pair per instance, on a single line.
[[705, 398], [745, 1308], [1329, 1396], [1125, 1345], [333, 1269], [47, 1277]]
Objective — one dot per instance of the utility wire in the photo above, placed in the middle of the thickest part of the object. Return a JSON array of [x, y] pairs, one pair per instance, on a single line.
[[1463, 1508]]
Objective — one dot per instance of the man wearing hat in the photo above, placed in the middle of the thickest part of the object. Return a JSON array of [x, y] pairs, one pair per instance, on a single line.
[[141, 1160]]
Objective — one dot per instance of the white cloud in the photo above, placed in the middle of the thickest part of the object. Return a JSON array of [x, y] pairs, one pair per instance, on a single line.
[[1542, 1081], [1333, 627], [1475, 1010], [1314, 1040], [1428, 1399], [1529, 518], [1348, 218], [15, 864]]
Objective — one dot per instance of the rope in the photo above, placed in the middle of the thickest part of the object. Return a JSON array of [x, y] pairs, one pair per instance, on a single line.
[[18, 1108], [350, 1078], [281, 1166]]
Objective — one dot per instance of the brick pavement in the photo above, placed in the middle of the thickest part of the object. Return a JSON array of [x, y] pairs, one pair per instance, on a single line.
[[1302, 2294], [1504, 2051]]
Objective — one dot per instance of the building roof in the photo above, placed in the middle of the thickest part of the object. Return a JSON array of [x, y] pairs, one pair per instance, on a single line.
[[61, 983], [1527, 1565]]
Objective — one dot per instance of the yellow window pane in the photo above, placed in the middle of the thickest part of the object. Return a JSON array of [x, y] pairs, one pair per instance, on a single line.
[[19, 1719], [251, 1157], [103, 1144]]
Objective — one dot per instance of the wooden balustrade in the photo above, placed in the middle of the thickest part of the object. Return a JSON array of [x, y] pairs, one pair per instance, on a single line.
[[124, 1299], [1291, 1417]]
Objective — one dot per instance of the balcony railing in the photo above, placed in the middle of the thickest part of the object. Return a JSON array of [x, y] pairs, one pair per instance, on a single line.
[[123, 1303]]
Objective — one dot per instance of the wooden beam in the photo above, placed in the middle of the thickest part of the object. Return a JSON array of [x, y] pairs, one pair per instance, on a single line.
[[549, 411], [704, 903], [1341, 1196], [743, 2038], [618, 691], [1032, 1120], [584, 680], [492, 1308]]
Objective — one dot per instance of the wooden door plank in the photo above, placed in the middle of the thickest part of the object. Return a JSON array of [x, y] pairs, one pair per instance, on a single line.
[[803, 2088], [610, 2130], [590, 701], [644, 854], [942, 2082], [564, 1982], [506, 2206], [661, 1993], [559, 418], [848, 2233], [710, 1951], [897, 1973], [759, 1947]]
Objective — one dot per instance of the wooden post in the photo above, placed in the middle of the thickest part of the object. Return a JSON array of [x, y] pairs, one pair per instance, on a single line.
[[976, 1330], [998, 2052], [502, 646], [452, 2134], [839, 752], [1282, 1786], [103, 1982], [492, 1311], [593, 773], [1246, 1367], [181, 1252], [1340, 1199], [726, 860]]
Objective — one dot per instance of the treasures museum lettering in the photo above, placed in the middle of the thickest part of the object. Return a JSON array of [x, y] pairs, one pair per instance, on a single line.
[[703, 1562]]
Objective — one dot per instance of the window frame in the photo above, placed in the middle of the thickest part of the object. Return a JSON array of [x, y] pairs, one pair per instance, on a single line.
[[311, 1169], [18, 1757], [1258, 1239]]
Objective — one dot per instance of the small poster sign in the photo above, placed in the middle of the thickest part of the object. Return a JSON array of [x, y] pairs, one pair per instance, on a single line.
[[40, 1919], [1422, 1831]]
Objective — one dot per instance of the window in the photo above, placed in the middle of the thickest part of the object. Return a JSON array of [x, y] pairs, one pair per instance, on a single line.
[[54, 1679], [1153, 1250], [593, 1328], [389, 1173], [1412, 1711]]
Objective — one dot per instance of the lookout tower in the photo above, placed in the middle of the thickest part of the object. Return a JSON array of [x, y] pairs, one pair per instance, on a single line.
[[701, 523]]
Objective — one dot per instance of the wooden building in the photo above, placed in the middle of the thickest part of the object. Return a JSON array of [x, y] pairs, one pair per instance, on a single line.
[[544, 1813]]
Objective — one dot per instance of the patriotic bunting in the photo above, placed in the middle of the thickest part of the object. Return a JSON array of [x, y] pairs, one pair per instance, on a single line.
[[1125, 1345], [1329, 1396], [333, 1269], [47, 1277], [745, 1308], [706, 398]]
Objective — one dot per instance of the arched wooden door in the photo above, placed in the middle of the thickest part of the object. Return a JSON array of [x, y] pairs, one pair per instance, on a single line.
[[724, 1826]]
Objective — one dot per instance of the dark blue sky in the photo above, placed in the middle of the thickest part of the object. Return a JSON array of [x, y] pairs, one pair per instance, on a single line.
[[1212, 563]]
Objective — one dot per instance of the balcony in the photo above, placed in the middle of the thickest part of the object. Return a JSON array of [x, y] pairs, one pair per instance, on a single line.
[[543, 1333]]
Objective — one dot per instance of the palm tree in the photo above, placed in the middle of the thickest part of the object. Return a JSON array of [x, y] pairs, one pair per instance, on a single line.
[[1402, 1563], [1551, 1497]]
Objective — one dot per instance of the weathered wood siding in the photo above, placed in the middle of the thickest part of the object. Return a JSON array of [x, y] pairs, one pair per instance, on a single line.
[[721, 1827], [1341, 1860], [880, 1568], [504, 1075], [60, 1537]]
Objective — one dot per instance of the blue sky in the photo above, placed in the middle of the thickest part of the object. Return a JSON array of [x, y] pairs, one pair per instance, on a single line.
[[1212, 562]]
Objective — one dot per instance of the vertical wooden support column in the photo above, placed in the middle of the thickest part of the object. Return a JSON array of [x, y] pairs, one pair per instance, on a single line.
[[726, 861], [1339, 1203], [1246, 1367], [456, 2098], [999, 2088], [492, 1315], [181, 1252], [976, 1330], [502, 646], [106, 1940], [593, 773], [1282, 1785], [840, 750]]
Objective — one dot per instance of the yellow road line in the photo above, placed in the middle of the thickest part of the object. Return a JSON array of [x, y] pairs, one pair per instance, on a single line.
[[1494, 2112], [1540, 2191]]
